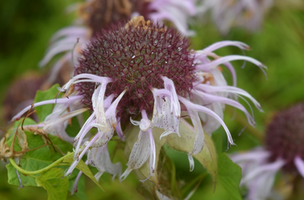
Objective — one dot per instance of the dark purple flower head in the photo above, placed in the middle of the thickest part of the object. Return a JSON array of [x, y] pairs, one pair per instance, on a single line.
[[285, 135], [98, 14], [135, 57]]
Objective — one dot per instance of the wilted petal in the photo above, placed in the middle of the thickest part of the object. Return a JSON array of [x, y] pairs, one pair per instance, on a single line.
[[100, 158], [139, 154]]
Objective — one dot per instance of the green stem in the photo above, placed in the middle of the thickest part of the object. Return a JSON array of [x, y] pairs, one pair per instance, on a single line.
[[23, 171]]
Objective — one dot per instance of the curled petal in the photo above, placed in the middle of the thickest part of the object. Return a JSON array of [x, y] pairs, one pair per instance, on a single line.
[[192, 106], [100, 158], [139, 154]]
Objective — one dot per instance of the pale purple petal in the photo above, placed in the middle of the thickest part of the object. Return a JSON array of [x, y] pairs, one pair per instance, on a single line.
[[221, 44], [200, 108], [69, 31], [100, 158], [52, 101], [213, 64], [299, 163], [139, 154]]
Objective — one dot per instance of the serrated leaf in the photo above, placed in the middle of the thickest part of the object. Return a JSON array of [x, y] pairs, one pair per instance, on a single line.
[[37, 159], [45, 110], [229, 176], [207, 157], [55, 184], [84, 168]]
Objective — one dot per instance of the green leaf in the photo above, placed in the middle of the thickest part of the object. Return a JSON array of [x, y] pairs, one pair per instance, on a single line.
[[84, 168], [37, 159], [45, 110], [229, 176], [207, 157], [218, 140], [55, 184], [80, 193]]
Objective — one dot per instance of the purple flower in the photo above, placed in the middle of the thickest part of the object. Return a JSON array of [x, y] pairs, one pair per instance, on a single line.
[[226, 14], [98, 14], [144, 74], [283, 151]]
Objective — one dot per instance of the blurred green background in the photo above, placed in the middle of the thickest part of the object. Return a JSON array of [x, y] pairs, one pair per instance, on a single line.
[[27, 25]]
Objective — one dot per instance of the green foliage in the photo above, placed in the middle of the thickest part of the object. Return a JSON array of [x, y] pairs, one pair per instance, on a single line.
[[45, 110], [55, 184], [82, 167], [207, 157], [229, 176], [80, 193]]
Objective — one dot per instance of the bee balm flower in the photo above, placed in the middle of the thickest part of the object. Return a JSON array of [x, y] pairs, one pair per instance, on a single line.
[[98, 14], [226, 14], [283, 150], [144, 74]]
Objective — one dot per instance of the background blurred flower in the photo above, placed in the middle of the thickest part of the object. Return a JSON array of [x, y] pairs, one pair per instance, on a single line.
[[226, 14], [283, 150]]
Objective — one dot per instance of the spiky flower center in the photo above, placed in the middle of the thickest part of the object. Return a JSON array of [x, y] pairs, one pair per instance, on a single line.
[[136, 56], [285, 135], [98, 14]]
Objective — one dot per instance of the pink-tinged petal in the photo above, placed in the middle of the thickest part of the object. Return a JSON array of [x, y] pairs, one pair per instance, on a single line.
[[271, 167], [56, 122], [85, 78], [108, 101], [199, 133], [260, 188], [82, 133], [200, 108], [52, 101], [213, 64], [111, 111], [228, 89], [178, 21], [97, 103], [152, 152], [186, 5], [64, 41], [163, 117], [299, 163], [176, 11], [214, 98], [221, 44], [119, 130], [100, 158], [54, 51], [229, 66], [139, 154], [87, 145], [69, 31], [175, 106], [56, 68], [253, 155], [74, 189]]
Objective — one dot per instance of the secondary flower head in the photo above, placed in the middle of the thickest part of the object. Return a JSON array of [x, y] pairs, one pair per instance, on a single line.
[[144, 74], [226, 14], [283, 151]]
